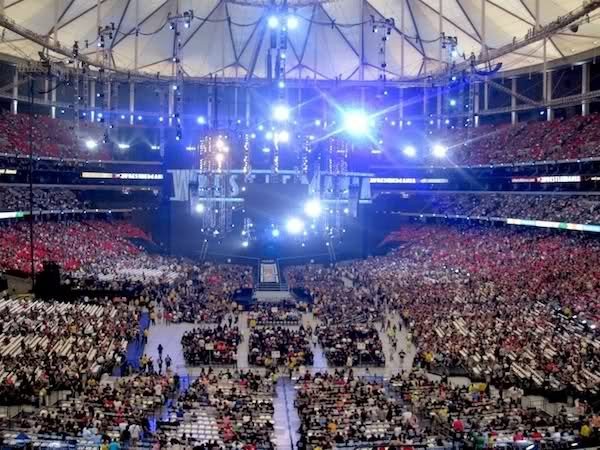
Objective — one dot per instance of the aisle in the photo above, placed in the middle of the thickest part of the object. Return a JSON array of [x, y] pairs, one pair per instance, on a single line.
[[244, 346], [169, 336], [285, 416]]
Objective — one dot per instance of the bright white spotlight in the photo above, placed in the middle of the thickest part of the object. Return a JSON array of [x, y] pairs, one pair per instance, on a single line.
[[283, 136], [201, 120], [292, 22], [123, 146], [245, 244], [312, 208], [346, 210], [439, 151], [452, 102], [275, 232], [273, 22], [91, 144], [219, 157], [266, 149], [281, 84], [281, 113], [269, 135], [294, 226], [200, 208], [356, 122], [410, 151]]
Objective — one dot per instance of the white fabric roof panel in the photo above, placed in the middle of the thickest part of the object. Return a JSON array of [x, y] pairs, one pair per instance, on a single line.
[[230, 37]]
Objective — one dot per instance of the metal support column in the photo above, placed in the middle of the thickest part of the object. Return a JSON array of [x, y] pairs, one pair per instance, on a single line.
[[92, 100], [549, 110], [401, 108], [15, 93], [53, 97], [513, 102], [235, 103], [476, 104], [248, 97], [486, 96], [131, 102], [585, 88], [439, 107]]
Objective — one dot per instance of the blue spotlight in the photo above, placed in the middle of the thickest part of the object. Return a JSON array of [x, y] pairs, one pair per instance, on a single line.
[[410, 151], [312, 208], [294, 226], [356, 122], [281, 113], [452, 102], [275, 232], [273, 22], [200, 208], [245, 244], [292, 22], [439, 151], [266, 150], [201, 120]]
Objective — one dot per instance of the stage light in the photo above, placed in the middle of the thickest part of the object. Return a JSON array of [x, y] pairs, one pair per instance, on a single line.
[[260, 128], [266, 150], [91, 144], [122, 116], [245, 244], [447, 121], [452, 102], [346, 211], [356, 122], [201, 120], [155, 147], [283, 136], [253, 136], [269, 135], [439, 151], [100, 115], [220, 144], [161, 119], [275, 232], [292, 22], [294, 226], [408, 123], [317, 122], [200, 208], [281, 113], [123, 146], [139, 117], [312, 208], [273, 22], [281, 84], [190, 148], [410, 151], [219, 157]]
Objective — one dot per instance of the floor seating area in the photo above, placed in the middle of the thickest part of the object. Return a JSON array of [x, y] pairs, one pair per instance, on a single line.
[[214, 346], [277, 346]]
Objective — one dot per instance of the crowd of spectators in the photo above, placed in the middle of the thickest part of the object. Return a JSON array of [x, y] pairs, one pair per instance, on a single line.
[[277, 346], [351, 345], [243, 402], [280, 313], [59, 346], [70, 244], [202, 346], [562, 208], [17, 199], [561, 139], [342, 409], [54, 138]]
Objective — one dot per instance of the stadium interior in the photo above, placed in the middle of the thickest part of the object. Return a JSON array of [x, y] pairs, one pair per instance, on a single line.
[[300, 224]]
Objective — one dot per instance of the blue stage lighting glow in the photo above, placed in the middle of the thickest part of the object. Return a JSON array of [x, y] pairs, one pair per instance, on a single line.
[[312, 208], [281, 84], [200, 208], [292, 22], [283, 137], [273, 22], [275, 232], [346, 211], [356, 122], [439, 151], [139, 117], [317, 122], [260, 128], [201, 120], [91, 144], [269, 135], [266, 150], [410, 151], [245, 244], [281, 113], [452, 102], [294, 226]]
